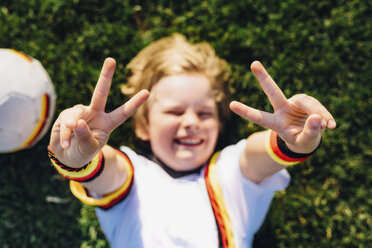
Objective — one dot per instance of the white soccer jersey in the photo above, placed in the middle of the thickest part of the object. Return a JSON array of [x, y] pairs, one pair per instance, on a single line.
[[196, 210]]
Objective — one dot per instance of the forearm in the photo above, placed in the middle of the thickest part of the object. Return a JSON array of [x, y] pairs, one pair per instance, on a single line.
[[113, 175], [255, 162]]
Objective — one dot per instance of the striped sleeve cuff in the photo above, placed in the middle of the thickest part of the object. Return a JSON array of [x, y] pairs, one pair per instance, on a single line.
[[108, 200]]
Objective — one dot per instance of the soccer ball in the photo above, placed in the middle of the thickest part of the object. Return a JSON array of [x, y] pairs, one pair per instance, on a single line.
[[27, 101]]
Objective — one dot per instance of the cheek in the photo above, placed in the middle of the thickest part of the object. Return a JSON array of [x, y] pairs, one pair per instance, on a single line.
[[212, 128], [162, 126]]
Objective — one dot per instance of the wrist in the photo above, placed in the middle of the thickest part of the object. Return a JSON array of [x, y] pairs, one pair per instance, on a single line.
[[85, 173], [293, 151], [278, 150]]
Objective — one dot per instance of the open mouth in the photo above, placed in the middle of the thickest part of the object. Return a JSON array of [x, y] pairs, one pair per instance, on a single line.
[[188, 141]]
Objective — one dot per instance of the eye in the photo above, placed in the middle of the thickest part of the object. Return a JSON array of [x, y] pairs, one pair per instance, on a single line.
[[205, 114], [175, 112]]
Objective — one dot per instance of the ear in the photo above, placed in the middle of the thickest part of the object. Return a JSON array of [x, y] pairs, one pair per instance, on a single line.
[[142, 132]]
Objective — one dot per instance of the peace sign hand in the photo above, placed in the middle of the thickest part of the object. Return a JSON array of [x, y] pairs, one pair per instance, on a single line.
[[300, 121], [80, 132]]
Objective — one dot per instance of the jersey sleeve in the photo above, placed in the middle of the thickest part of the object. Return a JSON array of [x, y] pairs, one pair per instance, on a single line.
[[108, 200]]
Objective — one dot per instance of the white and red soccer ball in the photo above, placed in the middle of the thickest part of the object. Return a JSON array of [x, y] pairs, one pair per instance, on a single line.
[[27, 101]]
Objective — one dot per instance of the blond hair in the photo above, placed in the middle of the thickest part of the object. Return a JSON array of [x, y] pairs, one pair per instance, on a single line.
[[175, 55]]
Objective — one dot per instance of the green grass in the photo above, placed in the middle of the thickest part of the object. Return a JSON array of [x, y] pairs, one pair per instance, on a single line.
[[37, 208], [321, 48]]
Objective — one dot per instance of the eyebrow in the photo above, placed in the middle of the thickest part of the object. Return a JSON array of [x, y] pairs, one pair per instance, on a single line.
[[180, 105]]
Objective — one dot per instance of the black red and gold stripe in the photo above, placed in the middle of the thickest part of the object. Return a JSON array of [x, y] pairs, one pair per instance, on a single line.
[[218, 204], [280, 153], [86, 173], [108, 200]]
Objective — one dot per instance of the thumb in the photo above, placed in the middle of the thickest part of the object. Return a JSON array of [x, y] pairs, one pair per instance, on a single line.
[[87, 144], [310, 137]]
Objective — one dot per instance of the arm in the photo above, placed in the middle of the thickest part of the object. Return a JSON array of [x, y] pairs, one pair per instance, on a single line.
[[300, 121], [80, 132], [255, 163], [112, 177]]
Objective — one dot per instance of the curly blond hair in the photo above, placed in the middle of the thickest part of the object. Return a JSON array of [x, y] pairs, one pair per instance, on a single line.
[[175, 55]]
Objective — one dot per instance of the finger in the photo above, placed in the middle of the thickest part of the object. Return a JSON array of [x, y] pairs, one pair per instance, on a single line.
[[65, 136], [271, 89], [310, 136], [86, 141], [331, 124], [121, 114], [55, 140], [310, 105], [261, 118], [102, 89], [68, 120]]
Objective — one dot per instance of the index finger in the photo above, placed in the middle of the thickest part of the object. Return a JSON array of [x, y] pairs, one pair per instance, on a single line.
[[271, 89], [102, 88]]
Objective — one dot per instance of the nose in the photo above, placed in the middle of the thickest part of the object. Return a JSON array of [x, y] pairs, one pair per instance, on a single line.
[[190, 119]]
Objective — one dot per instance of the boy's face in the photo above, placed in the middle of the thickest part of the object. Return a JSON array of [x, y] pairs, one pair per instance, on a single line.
[[183, 121]]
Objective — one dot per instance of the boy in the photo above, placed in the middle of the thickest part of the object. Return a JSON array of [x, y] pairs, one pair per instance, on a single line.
[[179, 194]]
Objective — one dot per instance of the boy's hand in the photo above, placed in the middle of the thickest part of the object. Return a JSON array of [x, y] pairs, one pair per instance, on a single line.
[[80, 132], [300, 121]]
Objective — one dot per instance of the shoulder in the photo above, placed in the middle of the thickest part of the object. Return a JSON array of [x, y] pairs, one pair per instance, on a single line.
[[136, 158], [229, 171]]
